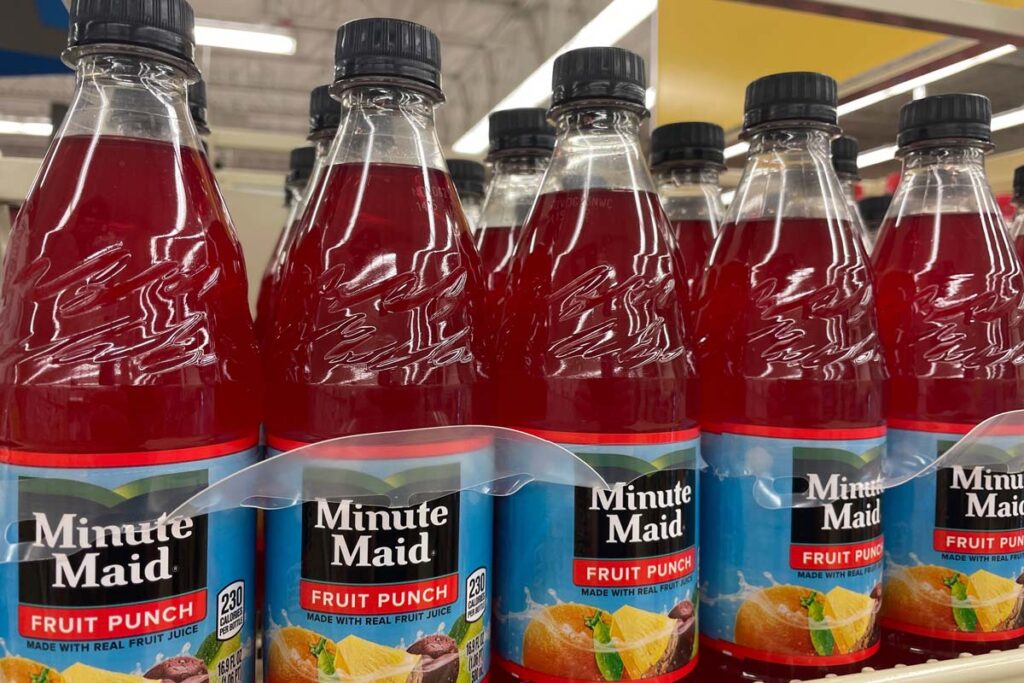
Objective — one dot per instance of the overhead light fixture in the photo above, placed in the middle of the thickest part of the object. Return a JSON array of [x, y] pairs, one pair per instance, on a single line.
[[736, 150], [878, 155], [1008, 119], [924, 79], [36, 128], [728, 196], [250, 37], [651, 97], [607, 28]]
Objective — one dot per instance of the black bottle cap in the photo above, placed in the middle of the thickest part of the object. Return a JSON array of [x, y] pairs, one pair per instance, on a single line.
[[945, 116], [1018, 182], [520, 129], [599, 73], [388, 47], [844, 155], [164, 25], [873, 209], [197, 106], [467, 175], [692, 141], [300, 164], [797, 95], [324, 110]]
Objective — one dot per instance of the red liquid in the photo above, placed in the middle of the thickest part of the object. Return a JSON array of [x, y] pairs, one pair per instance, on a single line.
[[594, 337], [950, 299], [787, 339], [123, 323], [496, 246], [694, 239], [374, 319]]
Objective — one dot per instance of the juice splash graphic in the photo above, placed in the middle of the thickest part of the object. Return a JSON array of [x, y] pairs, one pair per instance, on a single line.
[[686, 159], [593, 355], [129, 380], [791, 407], [950, 299], [374, 331]]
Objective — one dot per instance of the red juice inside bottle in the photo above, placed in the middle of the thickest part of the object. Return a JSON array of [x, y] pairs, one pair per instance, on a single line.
[[950, 300], [792, 398], [128, 367], [594, 355]]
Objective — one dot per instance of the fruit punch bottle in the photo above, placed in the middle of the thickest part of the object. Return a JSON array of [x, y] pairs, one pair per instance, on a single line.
[[324, 117], [686, 159], [128, 378], [950, 299], [598, 585], [792, 390], [468, 176], [1017, 227], [374, 333], [844, 160]]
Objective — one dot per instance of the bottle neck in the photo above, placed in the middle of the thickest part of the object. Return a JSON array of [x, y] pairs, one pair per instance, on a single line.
[[387, 124], [690, 192], [515, 180], [598, 146], [848, 182], [789, 174], [128, 95], [946, 178]]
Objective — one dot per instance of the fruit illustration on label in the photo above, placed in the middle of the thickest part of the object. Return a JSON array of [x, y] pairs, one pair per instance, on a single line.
[[648, 642], [996, 600], [851, 616], [821, 635], [608, 660], [81, 673], [360, 660], [558, 642], [296, 656], [439, 658], [21, 670]]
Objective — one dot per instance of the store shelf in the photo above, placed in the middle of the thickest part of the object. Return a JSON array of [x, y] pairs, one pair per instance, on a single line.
[[997, 667]]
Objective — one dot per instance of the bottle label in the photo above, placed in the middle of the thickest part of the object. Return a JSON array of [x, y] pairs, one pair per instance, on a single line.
[[600, 585], [357, 591], [109, 584], [955, 536], [792, 554]]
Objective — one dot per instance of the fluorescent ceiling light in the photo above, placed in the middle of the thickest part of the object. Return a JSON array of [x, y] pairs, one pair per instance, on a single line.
[[38, 128], [651, 97], [736, 150], [878, 155], [924, 79], [249, 37], [607, 28], [1008, 119], [728, 196]]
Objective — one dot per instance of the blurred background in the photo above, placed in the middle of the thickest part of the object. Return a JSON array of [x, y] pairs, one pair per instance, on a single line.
[[260, 59]]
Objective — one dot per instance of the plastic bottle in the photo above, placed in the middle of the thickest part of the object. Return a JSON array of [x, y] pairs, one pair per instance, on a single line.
[[594, 355], [792, 406], [521, 141], [686, 159], [872, 210], [844, 160], [950, 295], [1017, 226], [375, 332], [128, 377], [324, 117], [468, 177], [197, 107]]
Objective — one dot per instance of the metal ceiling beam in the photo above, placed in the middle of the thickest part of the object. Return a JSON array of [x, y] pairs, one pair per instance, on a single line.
[[964, 18]]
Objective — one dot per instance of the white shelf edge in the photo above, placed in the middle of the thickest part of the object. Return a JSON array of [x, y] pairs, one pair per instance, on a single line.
[[997, 667]]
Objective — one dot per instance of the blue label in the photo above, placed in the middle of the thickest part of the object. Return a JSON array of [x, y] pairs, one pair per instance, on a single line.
[[109, 586], [792, 545], [954, 538], [357, 591], [596, 584]]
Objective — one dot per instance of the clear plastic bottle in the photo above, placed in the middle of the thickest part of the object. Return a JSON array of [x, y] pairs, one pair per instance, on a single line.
[[844, 160], [594, 355], [468, 176], [374, 332], [521, 144], [129, 375], [873, 210], [792, 394], [197, 107], [950, 301], [1017, 226], [686, 160], [324, 117]]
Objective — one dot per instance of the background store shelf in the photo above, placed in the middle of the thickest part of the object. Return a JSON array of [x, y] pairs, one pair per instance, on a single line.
[[997, 667]]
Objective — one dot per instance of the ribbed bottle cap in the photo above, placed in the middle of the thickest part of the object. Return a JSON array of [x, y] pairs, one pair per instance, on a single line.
[[324, 110], [164, 25], [945, 116], [1018, 182], [388, 47], [197, 106], [844, 155], [796, 96], [300, 164], [599, 73], [520, 129], [692, 141], [467, 175]]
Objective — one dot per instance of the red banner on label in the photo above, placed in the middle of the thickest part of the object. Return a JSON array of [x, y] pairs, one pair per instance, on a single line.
[[394, 598], [979, 542], [825, 557], [109, 623], [643, 572]]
